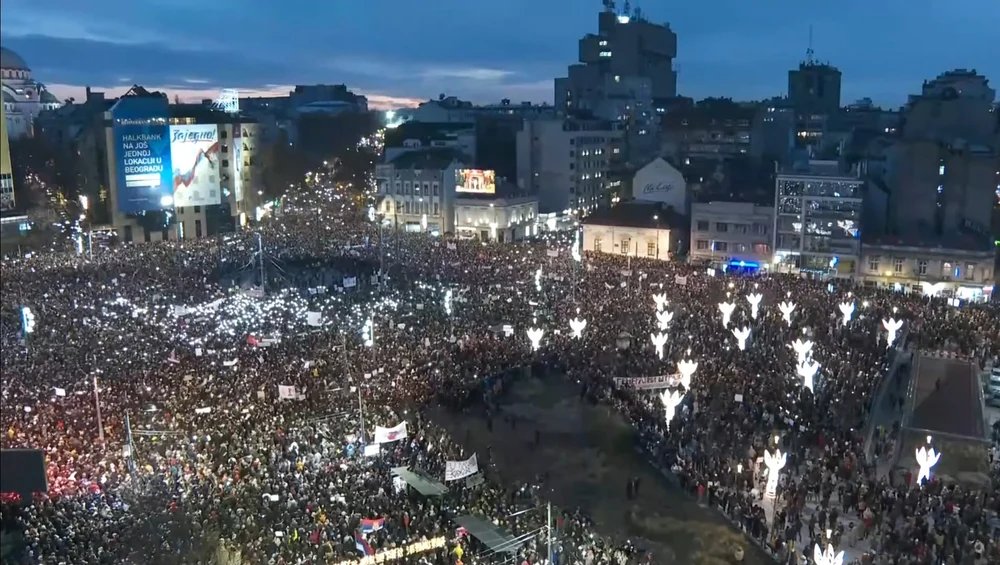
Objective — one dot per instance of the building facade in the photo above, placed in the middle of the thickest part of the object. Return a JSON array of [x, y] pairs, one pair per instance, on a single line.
[[952, 270], [723, 232], [7, 202], [814, 88], [635, 229], [417, 189], [817, 220], [566, 162], [23, 97], [496, 219]]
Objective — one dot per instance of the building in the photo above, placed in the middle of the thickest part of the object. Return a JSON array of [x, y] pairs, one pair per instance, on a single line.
[[23, 97], [417, 136], [452, 109], [659, 181], [814, 88], [168, 171], [772, 134], [435, 190], [308, 115], [953, 267], [566, 162], [646, 230], [714, 128], [731, 232], [955, 105], [625, 73], [817, 220], [7, 202]]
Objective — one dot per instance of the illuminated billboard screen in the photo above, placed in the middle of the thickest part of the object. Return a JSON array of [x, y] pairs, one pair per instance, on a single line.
[[194, 155], [142, 146], [475, 181]]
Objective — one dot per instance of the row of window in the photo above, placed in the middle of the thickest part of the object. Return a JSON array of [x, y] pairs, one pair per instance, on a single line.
[[407, 207], [404, 187], [756, 228], [625, 247], [948, 269], [732, 246]]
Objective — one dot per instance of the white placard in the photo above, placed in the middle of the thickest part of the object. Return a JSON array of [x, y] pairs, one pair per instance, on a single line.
[[455, 470]]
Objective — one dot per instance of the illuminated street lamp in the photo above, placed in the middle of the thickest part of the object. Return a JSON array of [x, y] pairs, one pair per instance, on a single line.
[[742, 334], [671, 400], [891, 326], [663, 319], [802, 349], [808, 373], [659, 340], [846, 310], [535, 335], [577, 325], [686, 368], [786, 311], [774, 462], [754, 300], [727, 312], [926, 458]]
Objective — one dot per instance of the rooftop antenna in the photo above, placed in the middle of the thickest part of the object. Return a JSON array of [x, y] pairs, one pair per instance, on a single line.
[[609, 5], [809, 50]]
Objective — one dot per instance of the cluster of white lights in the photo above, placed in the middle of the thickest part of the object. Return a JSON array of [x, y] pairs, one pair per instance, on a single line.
[[754, 300], [846, 311], [727, 309], [577, 325], [786, 311]]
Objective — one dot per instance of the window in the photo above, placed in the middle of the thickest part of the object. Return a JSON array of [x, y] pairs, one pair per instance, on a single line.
[[946, 269], [873, 263], [721, 227], [740, 228], [970, 271], [197, 228], [897, 265], [197, 209], [626, 246], [701, 245], [759, 229], [762, 249], [435, 188], [128, 234], [225, 162], [399, 187], [597, 244], [436, 209], [572, 153], [721, 246], [651, 249], [702, 225], [922, 266], [406, 187]]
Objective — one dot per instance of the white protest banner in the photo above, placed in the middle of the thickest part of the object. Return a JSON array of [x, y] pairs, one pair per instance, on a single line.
[[455, 470], [681, 280], [204, 410], [286, 392], [231, 363], [389, 435], [373, 449], [649, 383], [350, 282], [452, 246], [314, 319]]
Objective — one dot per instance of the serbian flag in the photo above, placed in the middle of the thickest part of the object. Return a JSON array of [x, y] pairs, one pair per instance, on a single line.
[[369, 525], [253, 341], [364, 548]]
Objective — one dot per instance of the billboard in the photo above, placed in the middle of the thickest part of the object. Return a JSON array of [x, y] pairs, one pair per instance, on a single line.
[[238, 158], [475, 181], [194, 156], [142, 146]]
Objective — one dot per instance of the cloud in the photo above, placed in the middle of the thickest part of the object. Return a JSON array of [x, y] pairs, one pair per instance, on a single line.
[[491, 75]]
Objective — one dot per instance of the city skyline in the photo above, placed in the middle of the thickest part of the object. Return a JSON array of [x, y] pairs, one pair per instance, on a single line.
[[401, 54]]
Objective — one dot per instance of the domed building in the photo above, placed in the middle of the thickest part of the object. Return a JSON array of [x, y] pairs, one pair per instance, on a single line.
[[23, 97]]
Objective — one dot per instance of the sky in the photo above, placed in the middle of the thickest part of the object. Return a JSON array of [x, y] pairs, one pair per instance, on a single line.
[[400, 52]]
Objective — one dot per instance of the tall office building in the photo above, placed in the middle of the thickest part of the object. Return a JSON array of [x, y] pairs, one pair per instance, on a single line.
[[6, 172], [817, 219], [625, 74], [814, 88]]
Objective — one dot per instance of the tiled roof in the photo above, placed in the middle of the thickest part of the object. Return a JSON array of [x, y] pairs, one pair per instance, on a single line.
[[638, 215]]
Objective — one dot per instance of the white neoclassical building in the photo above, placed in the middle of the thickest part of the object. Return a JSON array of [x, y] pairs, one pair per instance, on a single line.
[[23, 97]]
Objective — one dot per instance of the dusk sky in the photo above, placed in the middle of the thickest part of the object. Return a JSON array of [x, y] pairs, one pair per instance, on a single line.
[[400, 52]]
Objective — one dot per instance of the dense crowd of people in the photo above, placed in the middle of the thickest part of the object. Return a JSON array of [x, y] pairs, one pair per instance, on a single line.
[[151, 381]]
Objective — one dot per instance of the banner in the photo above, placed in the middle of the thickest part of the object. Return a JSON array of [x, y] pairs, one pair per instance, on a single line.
[[350, 282], [649, 383], [287, 392], [194, 154], [314, 319], [141, 135], [389, 435], [681, 280], [455, 470], [552, 252], [452, 246]]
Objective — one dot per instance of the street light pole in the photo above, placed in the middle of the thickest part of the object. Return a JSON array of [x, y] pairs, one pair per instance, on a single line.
[[97, 406], [548, 523]]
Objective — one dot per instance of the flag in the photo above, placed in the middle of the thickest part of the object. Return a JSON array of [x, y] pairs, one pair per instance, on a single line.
[[364, 548], [252, 340], [370, 525], [389, 435], [455, 470]]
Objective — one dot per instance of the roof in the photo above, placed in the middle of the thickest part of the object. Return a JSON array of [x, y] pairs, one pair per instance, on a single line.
[[435, 158], [961, 241], [424, 131], [633, 214], [12, 61]]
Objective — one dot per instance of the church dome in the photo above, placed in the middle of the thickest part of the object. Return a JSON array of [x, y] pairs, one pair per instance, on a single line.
[[10, 60]]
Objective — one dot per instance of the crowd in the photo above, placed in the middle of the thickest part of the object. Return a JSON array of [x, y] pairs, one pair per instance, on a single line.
[[193, 449]]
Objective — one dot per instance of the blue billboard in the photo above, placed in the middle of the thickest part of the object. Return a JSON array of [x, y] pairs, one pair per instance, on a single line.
[[142, 148]]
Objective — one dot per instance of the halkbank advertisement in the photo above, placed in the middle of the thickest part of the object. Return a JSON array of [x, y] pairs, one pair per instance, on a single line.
[[142, 146]]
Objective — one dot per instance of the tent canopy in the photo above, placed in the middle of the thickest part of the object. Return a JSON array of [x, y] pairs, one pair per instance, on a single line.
[[487, 532]]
